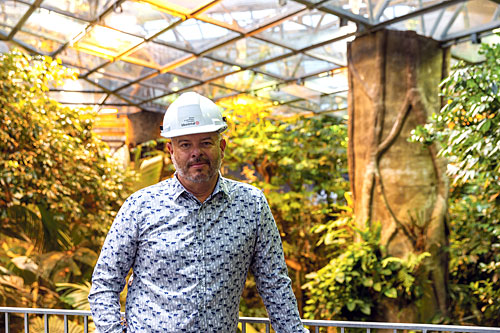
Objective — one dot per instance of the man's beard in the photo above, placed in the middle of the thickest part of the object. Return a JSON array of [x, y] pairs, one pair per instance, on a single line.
[[213, 169]]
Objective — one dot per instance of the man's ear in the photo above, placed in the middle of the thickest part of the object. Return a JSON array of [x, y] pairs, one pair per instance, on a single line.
[[222, 146], [169, 147]]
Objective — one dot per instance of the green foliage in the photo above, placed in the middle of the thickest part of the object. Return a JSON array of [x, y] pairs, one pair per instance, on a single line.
[[60, 190], [468, 126], [75, 294], [468, 130], [300, 164], [360, 275]]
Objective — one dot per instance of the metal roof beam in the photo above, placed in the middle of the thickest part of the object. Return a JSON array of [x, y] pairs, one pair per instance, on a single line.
[[415, 13], [23, 19], [484, 29], [345, 14], [452, 20]]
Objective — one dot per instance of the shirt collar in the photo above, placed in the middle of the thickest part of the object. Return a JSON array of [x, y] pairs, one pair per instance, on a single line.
[[221, 186]]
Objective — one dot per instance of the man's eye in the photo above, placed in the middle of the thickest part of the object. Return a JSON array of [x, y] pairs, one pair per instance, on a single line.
[[184, 145], [207, 144]]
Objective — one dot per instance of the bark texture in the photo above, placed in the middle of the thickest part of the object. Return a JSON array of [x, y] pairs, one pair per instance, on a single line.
[[394, 81]]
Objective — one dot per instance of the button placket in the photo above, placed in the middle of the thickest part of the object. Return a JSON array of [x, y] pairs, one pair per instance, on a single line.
[[201, 261]]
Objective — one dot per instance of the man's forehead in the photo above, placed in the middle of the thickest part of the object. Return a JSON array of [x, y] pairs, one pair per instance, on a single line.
[[196, 137]]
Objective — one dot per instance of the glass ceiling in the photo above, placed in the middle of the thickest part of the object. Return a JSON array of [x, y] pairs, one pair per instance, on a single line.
[[139, 55]]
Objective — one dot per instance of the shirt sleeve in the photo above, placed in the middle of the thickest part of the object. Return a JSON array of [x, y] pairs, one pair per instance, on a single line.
[[114, 263], [271, 275]]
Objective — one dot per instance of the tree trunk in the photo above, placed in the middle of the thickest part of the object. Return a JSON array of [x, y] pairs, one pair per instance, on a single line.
[[394, 81]]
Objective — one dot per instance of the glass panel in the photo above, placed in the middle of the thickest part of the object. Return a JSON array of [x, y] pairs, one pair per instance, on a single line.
[[302, 92], [474, 14], [335, 52], [360, 8], [125, 97], [76, 97], [169, 82], [88, 10], [244, 16], [309, 28], [248, 52], [40, 44], [441, 24], [398, 8], [313, 1], [125, 70], [108, 82], [105, 41], [246, 80], [421, 24], [142, 92], [52, 25], [117, 100], [469, 52], [5, 31], [196, 36], [287, 110], [139, 18], [297, 66], [76, 85], [275, 94], [326, 103], [205, 69], [155, 55], [329, 82], [11, 12], [181, 6], [70, 56], [163, 101], [213, 91]]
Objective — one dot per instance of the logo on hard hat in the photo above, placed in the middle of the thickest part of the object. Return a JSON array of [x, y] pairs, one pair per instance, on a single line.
[[189, 121]]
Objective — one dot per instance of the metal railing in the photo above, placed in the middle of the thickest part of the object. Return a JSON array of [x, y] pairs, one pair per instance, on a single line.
[[313, 325]]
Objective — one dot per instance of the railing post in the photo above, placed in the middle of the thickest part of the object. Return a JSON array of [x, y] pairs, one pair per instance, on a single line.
[[65, 323], [26, 324], [46, 323], [7, 330], [85, 324]]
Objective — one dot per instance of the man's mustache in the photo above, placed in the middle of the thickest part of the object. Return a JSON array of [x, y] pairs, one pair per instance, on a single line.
[[198, 160]]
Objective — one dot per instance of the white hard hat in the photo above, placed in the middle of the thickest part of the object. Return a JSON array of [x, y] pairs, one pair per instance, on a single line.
[[192, 113]]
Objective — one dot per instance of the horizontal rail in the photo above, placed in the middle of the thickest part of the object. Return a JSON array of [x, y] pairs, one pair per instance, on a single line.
[[380, 325], [265, 321]]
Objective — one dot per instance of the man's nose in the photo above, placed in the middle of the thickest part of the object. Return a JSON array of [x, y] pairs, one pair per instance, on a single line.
[[196, 151]]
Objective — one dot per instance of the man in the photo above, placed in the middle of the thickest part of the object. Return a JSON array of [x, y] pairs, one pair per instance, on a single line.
[[190, 241]]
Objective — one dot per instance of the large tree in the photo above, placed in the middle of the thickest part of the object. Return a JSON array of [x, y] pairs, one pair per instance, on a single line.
[[394, 81]]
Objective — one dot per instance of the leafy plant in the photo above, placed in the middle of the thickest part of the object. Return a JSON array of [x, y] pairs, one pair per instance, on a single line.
[[60, 188], [360, 274], [300, 163], [468, 129]]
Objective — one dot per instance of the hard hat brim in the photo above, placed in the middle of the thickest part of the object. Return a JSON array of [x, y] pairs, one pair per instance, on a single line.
[[193, 130]]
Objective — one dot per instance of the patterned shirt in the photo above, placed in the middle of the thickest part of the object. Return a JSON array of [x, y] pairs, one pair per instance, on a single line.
[[190, 261]]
